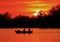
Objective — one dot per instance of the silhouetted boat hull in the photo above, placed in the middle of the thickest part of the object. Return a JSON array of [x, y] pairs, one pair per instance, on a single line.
[[23, 32]]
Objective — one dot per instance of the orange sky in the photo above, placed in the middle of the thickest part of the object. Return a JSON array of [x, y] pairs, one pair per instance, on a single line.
[[25, 7]]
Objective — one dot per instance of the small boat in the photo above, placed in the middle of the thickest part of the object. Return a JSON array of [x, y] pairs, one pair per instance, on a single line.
[[23, 32]]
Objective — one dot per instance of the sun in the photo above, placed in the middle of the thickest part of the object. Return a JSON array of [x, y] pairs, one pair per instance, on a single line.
[[36, 13]]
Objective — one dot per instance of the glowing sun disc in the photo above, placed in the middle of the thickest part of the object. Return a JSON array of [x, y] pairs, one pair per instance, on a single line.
[[36, 14]]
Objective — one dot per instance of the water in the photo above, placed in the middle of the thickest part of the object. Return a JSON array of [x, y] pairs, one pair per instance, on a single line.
[[38, 35]]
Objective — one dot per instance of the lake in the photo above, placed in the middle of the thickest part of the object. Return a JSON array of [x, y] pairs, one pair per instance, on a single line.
[[38, 35]]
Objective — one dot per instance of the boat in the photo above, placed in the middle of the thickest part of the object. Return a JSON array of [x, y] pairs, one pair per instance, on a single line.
[[23, 32]]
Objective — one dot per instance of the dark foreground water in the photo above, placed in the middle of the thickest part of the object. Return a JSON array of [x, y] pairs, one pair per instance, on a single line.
[[38, 35]]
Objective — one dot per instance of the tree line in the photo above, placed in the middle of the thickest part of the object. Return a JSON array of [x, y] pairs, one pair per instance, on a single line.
[[51, 21]]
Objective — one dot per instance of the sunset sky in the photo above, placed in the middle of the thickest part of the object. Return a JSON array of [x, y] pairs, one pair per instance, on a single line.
[[25, 7]]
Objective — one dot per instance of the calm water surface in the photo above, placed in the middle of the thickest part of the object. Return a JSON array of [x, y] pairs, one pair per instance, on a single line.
[[38, 35]]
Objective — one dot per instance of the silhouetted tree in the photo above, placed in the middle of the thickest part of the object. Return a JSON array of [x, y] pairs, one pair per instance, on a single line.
[[55, 11], [54, 20]]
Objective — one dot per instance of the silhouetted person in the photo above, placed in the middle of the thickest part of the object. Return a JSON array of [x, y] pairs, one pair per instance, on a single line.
[[29, 31], [24, 31]]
